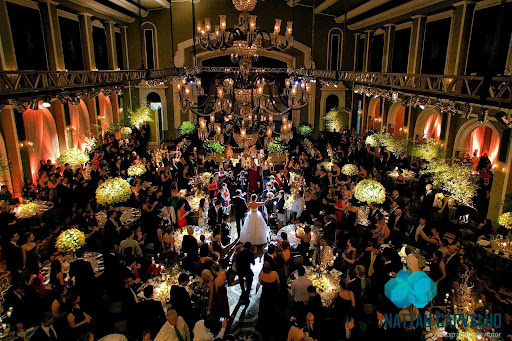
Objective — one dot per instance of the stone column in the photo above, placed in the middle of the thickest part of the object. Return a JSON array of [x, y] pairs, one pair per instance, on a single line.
[[368, 51], [115, 107], [389, 40], [111, 45], [7, 54], [51, 32], [8, 125], [357, 41], [90, 103], [124, 46], [87, 42], [416, 46], [458, 43]]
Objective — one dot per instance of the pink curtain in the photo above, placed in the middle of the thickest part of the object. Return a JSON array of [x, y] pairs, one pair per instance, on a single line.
[[105, 111], [432, 128], [40, 129], [483, 140], [79, 117]]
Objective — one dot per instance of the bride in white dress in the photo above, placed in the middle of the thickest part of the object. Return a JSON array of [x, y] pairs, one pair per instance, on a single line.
[[255, 229]]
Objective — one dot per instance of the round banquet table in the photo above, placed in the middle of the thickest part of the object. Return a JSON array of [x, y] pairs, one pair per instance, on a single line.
[[362, 215], [130, 216], [316, 234], [95, 258], [178, 235], [32, 209], [327, 284], [498, 249], [162, 283]]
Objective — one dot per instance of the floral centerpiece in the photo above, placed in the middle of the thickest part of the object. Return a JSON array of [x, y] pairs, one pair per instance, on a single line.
[[70, 240], [505, 220], [136, 170], [349, 169], [429, 150], [126, 130], [277, 146], [187, 128], [113, 191], [90, 143], [200, 182], [370, 191], [304, 129], [27, 210], [320, 282], [74, 157], [372, 141], [140, 116]]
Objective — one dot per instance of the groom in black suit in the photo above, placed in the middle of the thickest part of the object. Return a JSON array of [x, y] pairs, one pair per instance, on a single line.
[[239, 208]]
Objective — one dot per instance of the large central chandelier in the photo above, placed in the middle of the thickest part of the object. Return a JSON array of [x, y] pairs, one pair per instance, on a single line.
[[244, 104], [246, 39]]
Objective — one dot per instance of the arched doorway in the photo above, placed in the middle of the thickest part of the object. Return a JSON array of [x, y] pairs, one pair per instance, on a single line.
[[428, 125], [483, 140], [40, 129], [374, 114], [157, 133], [480, 137], [332, 102], [396, 120]]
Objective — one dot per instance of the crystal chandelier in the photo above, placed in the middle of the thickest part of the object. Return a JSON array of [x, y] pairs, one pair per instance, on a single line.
[[246, 39], [244, 104]]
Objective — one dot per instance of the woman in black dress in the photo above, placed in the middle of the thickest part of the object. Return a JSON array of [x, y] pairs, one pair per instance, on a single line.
[[79, 322], [269, 281]]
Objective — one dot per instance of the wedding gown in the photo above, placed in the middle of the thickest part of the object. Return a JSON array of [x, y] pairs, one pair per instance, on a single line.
[[255, 229]]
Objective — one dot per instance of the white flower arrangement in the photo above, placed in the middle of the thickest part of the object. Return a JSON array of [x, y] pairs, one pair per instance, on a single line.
[[140, 116], [505, 220], [74, 157], [349, 169], [429, 150], [458, 180], [370, 191], [90, 143], [372, 141], [70, 240], [113, 191], [126, 130], [136, 170]]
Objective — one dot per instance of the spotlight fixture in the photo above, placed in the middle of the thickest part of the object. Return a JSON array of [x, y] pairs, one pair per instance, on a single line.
[[61, 98], [46, 102], [18, 104], [34, 104], [504, 119], [74, 98]]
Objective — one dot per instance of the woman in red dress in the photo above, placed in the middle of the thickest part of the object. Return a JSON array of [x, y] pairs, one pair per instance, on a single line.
[[182, 216], [253, 177], [339, 208]]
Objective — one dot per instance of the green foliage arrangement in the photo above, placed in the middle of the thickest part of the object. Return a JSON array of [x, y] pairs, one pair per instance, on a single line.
[[305, 129], [213, 147], [187, 128]]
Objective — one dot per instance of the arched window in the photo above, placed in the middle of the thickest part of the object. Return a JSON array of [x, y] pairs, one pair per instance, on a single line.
[[334, 48], [150, 45]]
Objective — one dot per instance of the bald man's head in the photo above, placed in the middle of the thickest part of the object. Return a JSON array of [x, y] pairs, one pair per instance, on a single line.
[[172, 317], [398, 212]]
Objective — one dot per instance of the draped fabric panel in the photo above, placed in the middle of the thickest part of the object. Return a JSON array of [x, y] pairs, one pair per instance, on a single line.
[[79, 117], [40, 129], [483, 140], [399, 122], [432, 128], [105, 111]]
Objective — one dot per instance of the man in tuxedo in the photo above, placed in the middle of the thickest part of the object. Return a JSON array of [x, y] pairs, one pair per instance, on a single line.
[[310, 328], [239, 208], [373, 263], [427, 202], [111, 232], [13, 257], [85, 279], [279, 206], [180, 298], [189, 247], [68, 172], [452, 265], [244, 259], [314, 303], [372, 216], [397, 226], [46, 332], [270, 256]]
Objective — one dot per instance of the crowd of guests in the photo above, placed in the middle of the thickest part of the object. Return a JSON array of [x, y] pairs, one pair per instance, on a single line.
[[79, 304]]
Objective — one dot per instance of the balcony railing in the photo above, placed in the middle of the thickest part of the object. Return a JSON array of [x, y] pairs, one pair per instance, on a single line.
[[494, 90]]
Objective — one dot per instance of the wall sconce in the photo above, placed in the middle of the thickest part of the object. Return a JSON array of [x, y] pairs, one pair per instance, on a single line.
[[26, 145]]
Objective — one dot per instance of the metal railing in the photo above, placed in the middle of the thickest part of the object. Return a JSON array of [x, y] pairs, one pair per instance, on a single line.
[[497, 90]]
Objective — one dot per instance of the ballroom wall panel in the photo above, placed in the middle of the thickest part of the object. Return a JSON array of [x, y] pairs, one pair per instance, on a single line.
[[401, 50], [435, 46], [71, 44]]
